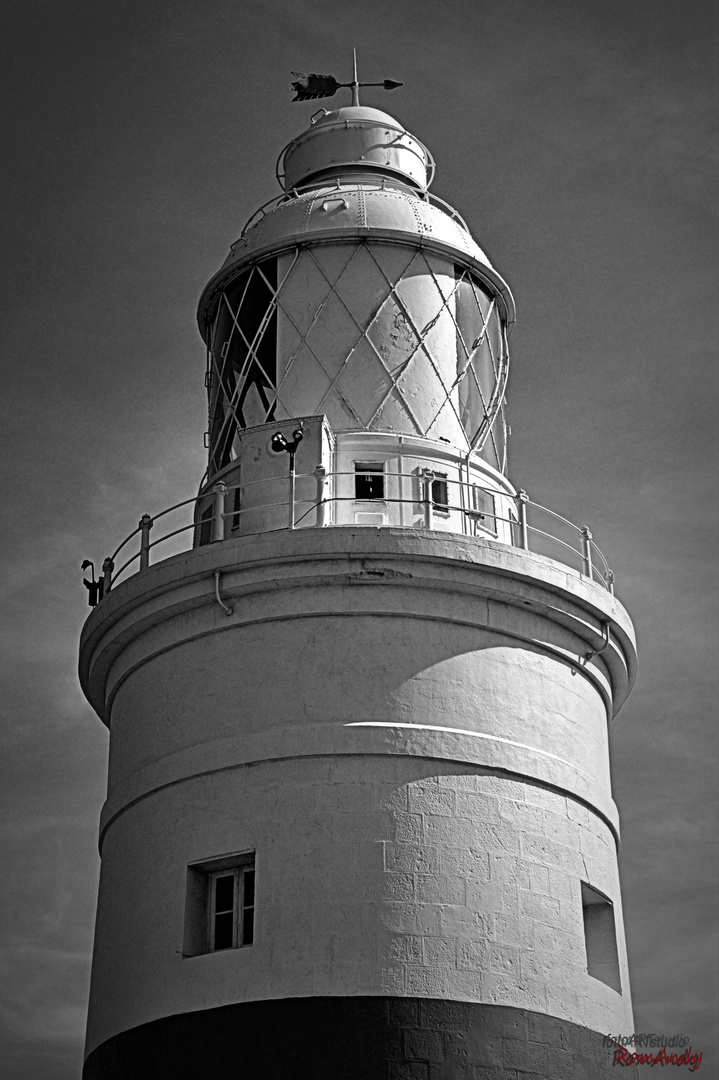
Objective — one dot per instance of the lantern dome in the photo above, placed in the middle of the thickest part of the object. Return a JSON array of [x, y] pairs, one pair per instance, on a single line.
[[355, 140], [350, 212]]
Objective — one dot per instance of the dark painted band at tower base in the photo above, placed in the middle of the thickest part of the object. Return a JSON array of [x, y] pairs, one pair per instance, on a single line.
[[358, 1039]]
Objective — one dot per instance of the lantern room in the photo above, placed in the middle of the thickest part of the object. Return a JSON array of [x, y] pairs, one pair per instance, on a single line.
[[358, 297]]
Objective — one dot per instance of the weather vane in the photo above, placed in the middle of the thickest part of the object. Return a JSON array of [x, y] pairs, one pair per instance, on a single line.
[[308, 86]]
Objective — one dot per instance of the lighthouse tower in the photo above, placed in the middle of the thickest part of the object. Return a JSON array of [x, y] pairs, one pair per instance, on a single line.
[[359, 821]]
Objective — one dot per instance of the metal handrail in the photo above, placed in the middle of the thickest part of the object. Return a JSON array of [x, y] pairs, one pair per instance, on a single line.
[[554, 514], [185, 502], [124, 566], [554, 539], [599, 552], [520, 530], [175, 532]]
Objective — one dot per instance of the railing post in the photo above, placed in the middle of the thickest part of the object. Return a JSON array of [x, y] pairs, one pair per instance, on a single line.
[[218, 517], [321, 478], [522, 500], [279, 444], [427, 478], [291, 507], [107, 567], [610, 581], [144, 525], [586, 550]]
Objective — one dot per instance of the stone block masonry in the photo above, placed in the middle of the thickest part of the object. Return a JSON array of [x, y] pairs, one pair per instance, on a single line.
[[363, 904]]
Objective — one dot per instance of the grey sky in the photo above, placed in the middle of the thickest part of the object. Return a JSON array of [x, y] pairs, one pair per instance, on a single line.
[[577, 139]]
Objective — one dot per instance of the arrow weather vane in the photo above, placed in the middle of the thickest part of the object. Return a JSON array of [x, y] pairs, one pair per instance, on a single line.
[[321, 86]]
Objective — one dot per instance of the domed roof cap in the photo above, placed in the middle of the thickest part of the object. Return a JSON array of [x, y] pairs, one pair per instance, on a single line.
[[350, 141]]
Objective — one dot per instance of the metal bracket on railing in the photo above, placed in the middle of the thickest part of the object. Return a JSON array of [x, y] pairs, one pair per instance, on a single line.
[[95, 589], [225, 607], [597, 652]]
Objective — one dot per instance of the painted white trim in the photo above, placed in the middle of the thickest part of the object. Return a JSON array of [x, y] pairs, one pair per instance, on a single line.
[[470, 734]]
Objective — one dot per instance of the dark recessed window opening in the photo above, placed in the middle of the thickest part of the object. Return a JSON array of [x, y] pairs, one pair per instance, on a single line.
[[369, 480], [236, 506], [440, 493], [220, 905], [206, 526], [600, 938], [244, 352], [222, 931]]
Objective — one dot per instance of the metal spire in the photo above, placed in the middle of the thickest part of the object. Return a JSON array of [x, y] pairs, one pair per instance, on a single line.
[[355, 80]]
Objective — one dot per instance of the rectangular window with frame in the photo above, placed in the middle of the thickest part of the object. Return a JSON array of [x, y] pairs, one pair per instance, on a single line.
[[232, 908], [220, 905], [369, 480], [482, 510]]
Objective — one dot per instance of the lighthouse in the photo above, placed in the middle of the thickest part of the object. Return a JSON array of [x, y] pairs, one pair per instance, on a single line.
[[359, 820]]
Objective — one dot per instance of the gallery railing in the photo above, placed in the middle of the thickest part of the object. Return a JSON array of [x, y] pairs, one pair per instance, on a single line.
[[520, 526]]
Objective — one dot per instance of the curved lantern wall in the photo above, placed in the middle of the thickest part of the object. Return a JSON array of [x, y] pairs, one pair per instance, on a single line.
[[376, 336]]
